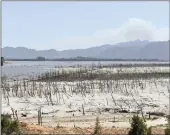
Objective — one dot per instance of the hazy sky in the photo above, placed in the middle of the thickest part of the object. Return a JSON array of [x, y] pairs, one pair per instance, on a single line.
[[70, 25]]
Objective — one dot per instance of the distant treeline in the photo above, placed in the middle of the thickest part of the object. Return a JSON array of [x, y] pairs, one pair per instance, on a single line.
[[81, 59]]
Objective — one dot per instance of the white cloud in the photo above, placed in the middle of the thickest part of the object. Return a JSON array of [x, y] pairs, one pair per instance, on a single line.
[[131, 30], [138, 29]]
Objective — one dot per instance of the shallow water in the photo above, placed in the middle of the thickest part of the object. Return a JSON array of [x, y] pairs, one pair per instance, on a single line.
[[28, 68]]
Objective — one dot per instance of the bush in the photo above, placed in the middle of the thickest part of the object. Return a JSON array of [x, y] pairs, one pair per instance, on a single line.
[[149, 131], [97, 129], [8, 126], [167, 131], [138, 127]]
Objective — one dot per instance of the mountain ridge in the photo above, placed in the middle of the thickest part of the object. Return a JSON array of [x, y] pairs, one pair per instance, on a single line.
[[136, 49]]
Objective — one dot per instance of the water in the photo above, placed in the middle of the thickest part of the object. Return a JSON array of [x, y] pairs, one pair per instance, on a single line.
[[25, 68]]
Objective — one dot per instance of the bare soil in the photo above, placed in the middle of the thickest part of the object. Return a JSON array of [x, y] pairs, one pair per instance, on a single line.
[[37, 129]]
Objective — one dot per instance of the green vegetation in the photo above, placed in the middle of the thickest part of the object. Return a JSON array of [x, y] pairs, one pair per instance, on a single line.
[[138, 127], [167, 130], [149, 131], [8, 126], [97, 129]]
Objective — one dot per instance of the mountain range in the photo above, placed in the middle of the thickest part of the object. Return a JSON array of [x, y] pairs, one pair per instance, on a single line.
[[124, 50]]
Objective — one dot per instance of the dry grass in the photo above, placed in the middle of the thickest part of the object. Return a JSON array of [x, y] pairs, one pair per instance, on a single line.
[[36, 129]]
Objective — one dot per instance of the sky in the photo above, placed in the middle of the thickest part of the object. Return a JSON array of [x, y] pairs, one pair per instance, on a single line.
[[78, 25]]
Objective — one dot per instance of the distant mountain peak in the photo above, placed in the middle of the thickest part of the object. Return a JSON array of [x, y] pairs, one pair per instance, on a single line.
[[138, 40]]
